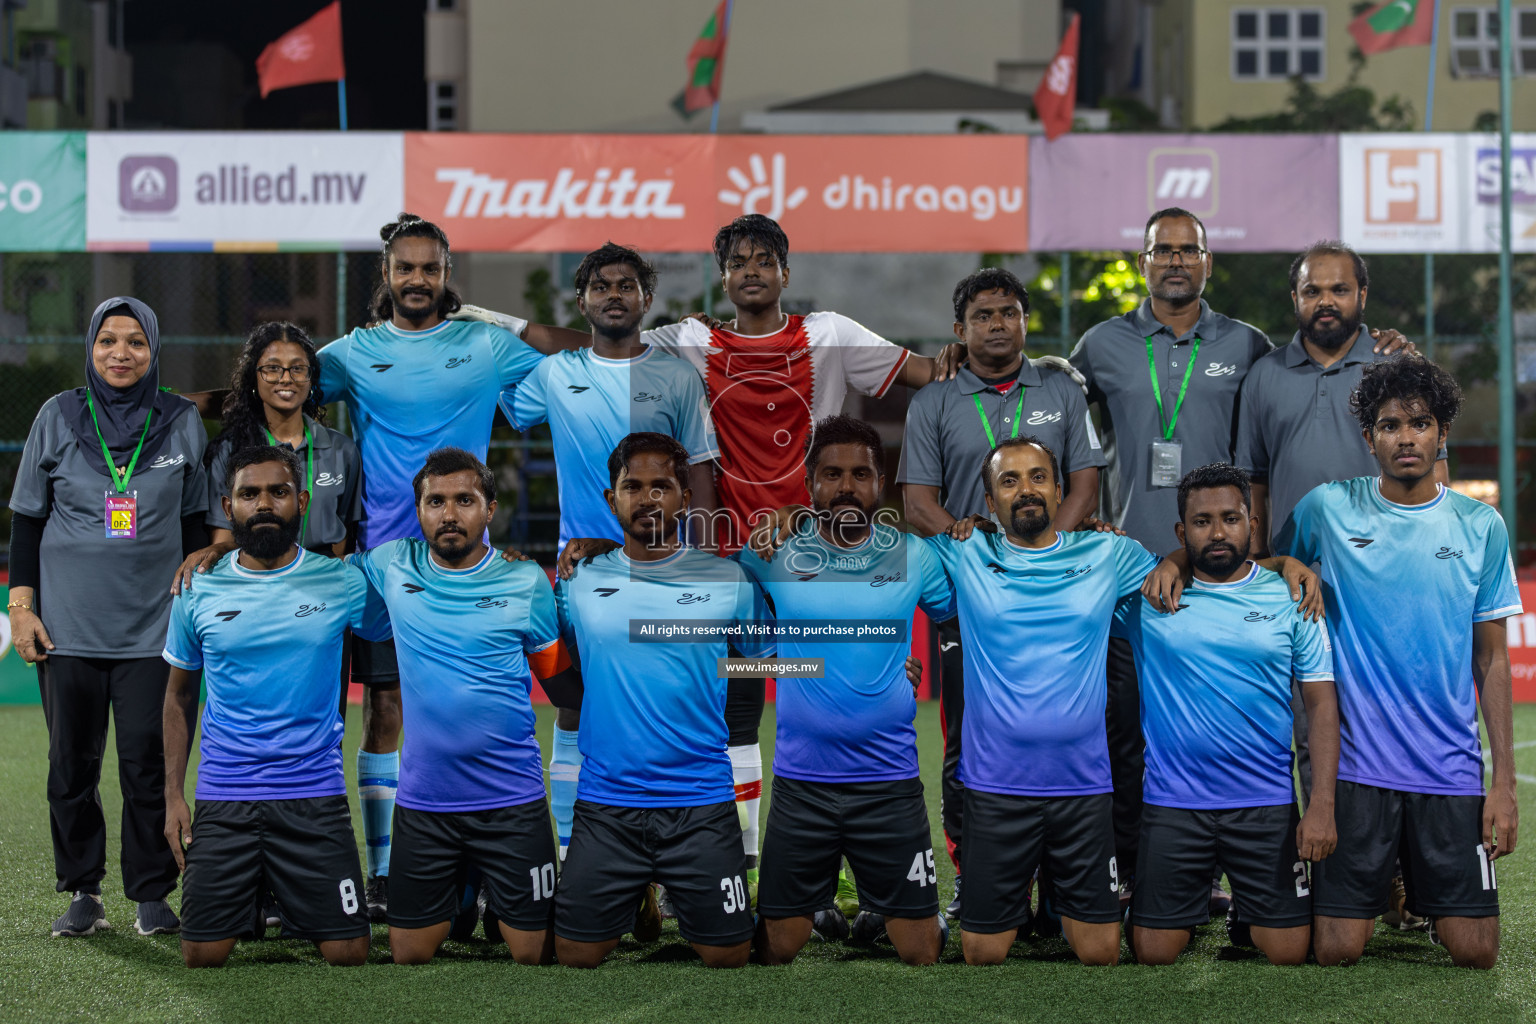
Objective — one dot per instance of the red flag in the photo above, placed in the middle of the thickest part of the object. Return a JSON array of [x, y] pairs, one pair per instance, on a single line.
[[706, 62], [1399, 23], [1057, 95], [304, 55]]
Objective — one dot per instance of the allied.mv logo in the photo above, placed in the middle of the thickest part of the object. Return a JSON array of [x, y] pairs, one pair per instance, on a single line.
[[146, 184]]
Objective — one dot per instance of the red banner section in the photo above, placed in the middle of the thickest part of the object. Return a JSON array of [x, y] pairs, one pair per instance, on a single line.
[[1522, 643], [668, 193]]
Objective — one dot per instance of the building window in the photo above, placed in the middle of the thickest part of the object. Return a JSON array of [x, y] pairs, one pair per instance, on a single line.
[[442, 107], [1475, 41], [1270, 43], [445, 5], [82, 92]]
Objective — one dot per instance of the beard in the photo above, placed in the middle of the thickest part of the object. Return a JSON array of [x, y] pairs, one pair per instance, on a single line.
[[1222, 562], [844, 514], [1329, 338], [416, 314], [1028, 518], [1177, 292], [265, 544], [451, 547]]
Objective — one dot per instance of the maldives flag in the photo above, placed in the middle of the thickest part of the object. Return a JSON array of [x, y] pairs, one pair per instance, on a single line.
[[1395, 24], [706, 62], [304, 55], [1056, 97]]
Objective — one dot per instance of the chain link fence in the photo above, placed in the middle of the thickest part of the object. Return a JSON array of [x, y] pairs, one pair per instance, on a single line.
[[208, 301]]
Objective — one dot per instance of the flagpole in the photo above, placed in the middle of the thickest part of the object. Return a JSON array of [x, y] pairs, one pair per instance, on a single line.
[[1429, 121], [341, 254], [714, 128], [1507, 503]]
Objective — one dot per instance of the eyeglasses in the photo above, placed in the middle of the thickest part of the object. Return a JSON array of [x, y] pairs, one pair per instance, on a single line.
[[272, 373], [1163, 255]]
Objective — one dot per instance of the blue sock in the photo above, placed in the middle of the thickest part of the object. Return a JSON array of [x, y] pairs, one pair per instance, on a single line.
[[564, 771], [378, 776]]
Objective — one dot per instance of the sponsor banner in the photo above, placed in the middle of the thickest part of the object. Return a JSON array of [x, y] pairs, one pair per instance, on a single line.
[[42, 192], [242, 190], [1417, 192], [669, 193], [1522, 643], [1254, 193], [562, 193]]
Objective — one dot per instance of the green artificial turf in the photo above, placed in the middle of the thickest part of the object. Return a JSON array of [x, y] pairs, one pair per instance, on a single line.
[[121, 977]]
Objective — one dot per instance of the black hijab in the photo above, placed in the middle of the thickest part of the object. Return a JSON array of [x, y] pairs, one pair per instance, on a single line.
[[121, 412]]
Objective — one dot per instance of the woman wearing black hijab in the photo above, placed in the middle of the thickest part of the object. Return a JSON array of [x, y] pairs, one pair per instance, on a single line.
[[108, 498]]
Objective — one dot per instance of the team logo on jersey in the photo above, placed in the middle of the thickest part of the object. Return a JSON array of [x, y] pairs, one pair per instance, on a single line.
[[808, 576], [456, 361], [1361, 542], [646, 396], [1074, 572], [1258, 617], [1447, 553], [1040, 416], [228, 616], [329, 479], [577, 389], [881, 579], [995, 567], [694, 598], [167, 461], [490, 602], [380, 367], [1220, 370], [605, 591], [309, 609], [412, 588]]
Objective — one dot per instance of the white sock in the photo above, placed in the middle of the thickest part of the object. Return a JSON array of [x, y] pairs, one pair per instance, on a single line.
[[747, 773]]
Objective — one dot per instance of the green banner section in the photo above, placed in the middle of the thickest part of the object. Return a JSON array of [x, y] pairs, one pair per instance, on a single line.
[[18, 680], [42, 191]]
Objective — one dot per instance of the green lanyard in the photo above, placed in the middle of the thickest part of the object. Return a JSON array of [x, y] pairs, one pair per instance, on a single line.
[[1157, 391], [1017, 413], [118, 481], [309, 475]]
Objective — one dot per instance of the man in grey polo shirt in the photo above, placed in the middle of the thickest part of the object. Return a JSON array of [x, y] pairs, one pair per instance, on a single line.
[[952, 425]]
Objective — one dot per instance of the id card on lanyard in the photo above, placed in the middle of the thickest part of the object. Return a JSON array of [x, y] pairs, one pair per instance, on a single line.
[[1165, 461], [122, 505]]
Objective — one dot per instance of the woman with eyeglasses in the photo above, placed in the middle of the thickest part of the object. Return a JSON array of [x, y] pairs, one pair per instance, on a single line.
[[271, 401]]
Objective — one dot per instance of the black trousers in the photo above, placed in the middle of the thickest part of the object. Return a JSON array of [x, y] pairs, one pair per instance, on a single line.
[[1127, 751], [77, 695], [951, 713]]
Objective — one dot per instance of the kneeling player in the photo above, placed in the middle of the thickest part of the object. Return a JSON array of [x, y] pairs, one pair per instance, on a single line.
[[467, 626], [265, 627], [656, 799], [845, 760], [1215, 708]]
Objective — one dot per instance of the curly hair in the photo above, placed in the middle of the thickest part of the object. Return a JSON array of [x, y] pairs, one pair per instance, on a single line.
[[752, 228], [382, 305], [609, 255], [1405, 379], [988, 279], [245, 420], [1209, 478], [843, 430]]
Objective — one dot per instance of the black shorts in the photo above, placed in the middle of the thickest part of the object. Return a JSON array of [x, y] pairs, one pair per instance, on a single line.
[[1008, 837], [303, 850], [1439, 840], [511, 846], [374, 664], [882, 828], [1180, 849], [615, 851]]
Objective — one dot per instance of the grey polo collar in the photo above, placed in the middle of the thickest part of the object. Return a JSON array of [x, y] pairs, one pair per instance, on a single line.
[[1360, 352], [969, 383], [319, 436], [1147, 324]]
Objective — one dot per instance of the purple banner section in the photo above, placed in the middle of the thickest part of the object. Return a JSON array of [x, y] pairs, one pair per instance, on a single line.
[[1255, 193]]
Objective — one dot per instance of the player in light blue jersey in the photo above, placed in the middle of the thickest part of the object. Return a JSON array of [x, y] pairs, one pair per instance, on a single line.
[[1419, 584], [845, 758], [468, 625], [592, 398], [647, 624], [265, 628], [1215, 709], [414, 381], [1035, 608]]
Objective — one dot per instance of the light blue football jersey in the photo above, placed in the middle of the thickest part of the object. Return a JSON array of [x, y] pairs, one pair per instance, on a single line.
[[653, 728], [855, 723], [269, 644], [462, 637], [1215, 682], [1035, 628], [1403, 585], [591, 403], [412, 392]]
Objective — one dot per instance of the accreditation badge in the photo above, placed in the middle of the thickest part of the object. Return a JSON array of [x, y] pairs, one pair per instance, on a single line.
[[123, 514], [1165, 467]]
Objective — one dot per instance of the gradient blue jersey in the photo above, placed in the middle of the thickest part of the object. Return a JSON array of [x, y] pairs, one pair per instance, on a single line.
[[855, 724], [411, 392], [1035, 628], [462, 637], [653, 711], [269, 645], [1216, 690], [591, 403], [1403, 585]]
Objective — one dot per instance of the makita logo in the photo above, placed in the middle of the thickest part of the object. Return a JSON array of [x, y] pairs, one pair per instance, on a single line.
[[603, 195]]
